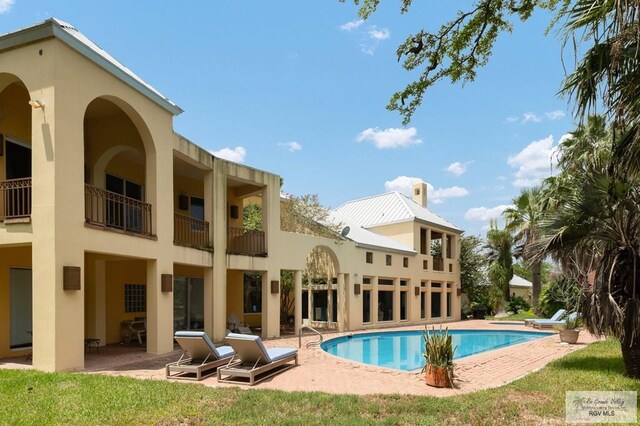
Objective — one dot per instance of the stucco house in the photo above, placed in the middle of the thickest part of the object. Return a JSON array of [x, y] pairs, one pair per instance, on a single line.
[[108, 218]]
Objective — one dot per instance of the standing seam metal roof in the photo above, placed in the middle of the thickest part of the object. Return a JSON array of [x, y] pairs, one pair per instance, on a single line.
[[388, 208]]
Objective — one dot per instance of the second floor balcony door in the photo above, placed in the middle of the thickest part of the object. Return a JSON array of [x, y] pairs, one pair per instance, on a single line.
[[122, 213], [16, 190]]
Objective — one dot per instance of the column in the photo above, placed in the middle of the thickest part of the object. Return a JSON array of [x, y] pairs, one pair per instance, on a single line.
[[396, 299], [297, 277], [100, 314], [342, 303], [159, 308], [374, 300], [208, 301], [218, 296], [270, 305], [428, 299]]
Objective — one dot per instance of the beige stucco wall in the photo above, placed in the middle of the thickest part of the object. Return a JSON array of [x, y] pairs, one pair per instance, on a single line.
[[63, 148]]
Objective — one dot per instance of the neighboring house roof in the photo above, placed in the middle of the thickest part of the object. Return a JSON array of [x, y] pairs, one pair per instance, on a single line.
[[65, 32], [388, 208], [518, 281], [364, 238]]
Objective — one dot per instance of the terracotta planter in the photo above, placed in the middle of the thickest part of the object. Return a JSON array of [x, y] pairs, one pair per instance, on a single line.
[[437, 377], [569, 336]]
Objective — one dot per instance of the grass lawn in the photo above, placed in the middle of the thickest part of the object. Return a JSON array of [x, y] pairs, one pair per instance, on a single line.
[[521, 316], [30, 397]]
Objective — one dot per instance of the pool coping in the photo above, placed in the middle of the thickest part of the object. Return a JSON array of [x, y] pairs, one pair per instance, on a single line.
[[548, 334]]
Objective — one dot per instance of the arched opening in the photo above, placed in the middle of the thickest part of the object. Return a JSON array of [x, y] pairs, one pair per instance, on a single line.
[[15, 206], [118, 155], [320, 288]]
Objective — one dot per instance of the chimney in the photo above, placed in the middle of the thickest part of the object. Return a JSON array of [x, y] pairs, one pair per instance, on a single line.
[[420, 193]]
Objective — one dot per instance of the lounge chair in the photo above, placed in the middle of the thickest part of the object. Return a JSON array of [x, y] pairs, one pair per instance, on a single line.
[[540, 324], [555, 317], [200, 356], [253, 362]]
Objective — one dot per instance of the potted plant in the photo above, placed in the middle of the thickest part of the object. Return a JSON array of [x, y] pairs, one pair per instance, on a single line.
[[570, 330], [438, 354]]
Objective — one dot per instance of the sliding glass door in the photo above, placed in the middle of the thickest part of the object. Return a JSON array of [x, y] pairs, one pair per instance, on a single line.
[[188, 303]]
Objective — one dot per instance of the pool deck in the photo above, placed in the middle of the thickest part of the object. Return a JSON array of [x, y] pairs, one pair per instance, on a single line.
[[319, 371]]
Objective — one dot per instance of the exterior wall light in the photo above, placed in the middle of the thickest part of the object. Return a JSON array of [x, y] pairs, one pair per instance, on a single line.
[[36, 103]]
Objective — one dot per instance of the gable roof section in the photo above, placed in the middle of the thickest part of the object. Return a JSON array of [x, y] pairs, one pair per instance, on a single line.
[[388, 208], [518, 281], [365, 238], [73, 38]]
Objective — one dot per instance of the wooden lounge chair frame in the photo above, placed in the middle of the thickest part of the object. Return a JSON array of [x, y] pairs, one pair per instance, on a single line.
[[235, 368], [253, 361], [191, 369]]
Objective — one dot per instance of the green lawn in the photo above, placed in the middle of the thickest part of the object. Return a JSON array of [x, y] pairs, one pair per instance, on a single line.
[[30, 397], [521, 316]]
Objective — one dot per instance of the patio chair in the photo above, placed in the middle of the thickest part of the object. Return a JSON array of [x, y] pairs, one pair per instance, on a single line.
[[555, 317], [540, 324], [253, 362], [200, 356]]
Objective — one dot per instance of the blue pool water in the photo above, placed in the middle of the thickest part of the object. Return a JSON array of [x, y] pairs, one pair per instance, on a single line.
[[402, 350]]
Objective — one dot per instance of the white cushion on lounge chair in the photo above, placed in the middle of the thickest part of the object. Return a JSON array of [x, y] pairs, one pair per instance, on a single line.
[[199, 351], [268, 355]]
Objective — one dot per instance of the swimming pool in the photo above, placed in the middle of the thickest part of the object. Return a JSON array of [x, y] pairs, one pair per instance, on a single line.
[[402, 350]]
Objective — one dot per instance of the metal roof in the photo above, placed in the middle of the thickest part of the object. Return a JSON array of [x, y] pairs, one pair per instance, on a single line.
[[388, 208], [365, 238], [518, 281], [67, 33]]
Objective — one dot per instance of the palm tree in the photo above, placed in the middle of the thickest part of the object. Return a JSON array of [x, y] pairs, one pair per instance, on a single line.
[[593, 229], [523, 220], [499, 248]]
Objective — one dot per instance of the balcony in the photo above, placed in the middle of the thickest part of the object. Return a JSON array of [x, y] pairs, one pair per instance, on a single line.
[[190, 232], [113, 211], [15, 200], [438, 264], [246, 242]]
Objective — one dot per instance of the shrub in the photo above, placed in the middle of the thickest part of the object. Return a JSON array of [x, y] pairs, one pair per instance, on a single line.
[[518, 303], [561, 293]]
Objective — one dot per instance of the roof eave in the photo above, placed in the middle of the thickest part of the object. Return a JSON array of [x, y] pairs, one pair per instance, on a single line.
[[382, 248], [50, 28]]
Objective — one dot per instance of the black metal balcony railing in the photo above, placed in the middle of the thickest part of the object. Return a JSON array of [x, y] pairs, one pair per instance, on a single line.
[[189, 231], [246, 242], [438, 264], [15, 199], [112, 210]]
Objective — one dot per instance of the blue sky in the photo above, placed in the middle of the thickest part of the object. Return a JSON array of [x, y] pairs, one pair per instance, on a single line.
[[300, 89]]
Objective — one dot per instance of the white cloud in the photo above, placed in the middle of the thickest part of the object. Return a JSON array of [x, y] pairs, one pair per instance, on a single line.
[[376, 34], [236, 154], [458, 168], [484, 214], [555, 115], [513, 119], [535, 162], [438, 196], [530, 117], [5, 5], [352, 25], [390, 138], [292, 146], [404, 185]]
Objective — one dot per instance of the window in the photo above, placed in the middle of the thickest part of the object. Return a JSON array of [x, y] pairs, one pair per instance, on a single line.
[[388, 260], [120, 214], [197, 212], [423, 284], [366, 306], [403, 305], [320, 305], [135, 298], [425, 264], [404, 283], [449, 307], [385, 305], [369, 257], [405, 262], [366, 280], [436, 285], [423, 241], [385, 281], [450, 267], [423, 305], [252, 293], [436, 302]]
